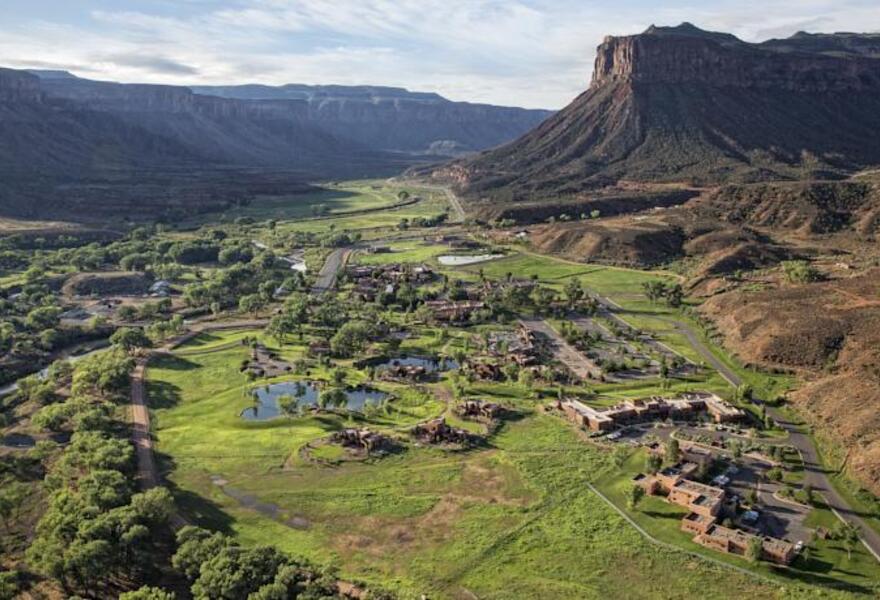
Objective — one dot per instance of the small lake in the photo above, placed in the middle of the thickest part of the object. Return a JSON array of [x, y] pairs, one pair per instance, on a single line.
[[307, 393], [431, 365], [458, 260]]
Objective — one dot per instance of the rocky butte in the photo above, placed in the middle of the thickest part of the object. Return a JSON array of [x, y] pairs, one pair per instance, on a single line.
[[679, 104]]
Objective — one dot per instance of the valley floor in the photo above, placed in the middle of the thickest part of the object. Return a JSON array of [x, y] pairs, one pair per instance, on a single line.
[[525, 515]]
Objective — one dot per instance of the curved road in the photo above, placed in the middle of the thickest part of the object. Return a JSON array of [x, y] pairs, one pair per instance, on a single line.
[[814, 472]]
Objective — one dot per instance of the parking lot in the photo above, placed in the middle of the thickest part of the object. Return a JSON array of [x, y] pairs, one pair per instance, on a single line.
[[776, 518]]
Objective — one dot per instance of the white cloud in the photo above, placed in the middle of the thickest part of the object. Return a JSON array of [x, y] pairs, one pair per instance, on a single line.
[[519, 52]]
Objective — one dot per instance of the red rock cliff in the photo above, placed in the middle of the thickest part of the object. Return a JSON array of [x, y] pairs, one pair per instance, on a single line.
[[673, 58]]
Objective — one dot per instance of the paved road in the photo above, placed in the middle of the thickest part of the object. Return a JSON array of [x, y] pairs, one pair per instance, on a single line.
[[327, 275], [454, 202], [814, 472], [580, 365]]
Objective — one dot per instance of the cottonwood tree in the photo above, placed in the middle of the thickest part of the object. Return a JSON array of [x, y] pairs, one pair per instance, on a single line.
[[130, 339], [754, 549], [634, 497]]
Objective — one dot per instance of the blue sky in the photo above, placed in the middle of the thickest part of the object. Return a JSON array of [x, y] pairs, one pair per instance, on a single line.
[[535, 53]]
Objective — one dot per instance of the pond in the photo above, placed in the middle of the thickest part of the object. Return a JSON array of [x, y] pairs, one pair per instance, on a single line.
[[431, 365], [18, 440], [460, 260], [307, 393]]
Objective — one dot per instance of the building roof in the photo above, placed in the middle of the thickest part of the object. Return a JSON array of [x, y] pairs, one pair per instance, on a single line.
[[700, 490]]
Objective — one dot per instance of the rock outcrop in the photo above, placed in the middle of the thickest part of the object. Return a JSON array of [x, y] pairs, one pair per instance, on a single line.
[[686, 54], [683, 105]]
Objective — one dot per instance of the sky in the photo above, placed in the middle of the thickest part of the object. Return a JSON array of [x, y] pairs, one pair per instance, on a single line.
[[532, 53]]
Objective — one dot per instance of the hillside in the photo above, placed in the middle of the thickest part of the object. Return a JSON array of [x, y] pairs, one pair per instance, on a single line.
[[139, 150], [394, 118], [682, 104]]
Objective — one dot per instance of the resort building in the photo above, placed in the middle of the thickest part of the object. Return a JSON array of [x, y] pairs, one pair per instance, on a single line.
[[705, 504], [686, 407]]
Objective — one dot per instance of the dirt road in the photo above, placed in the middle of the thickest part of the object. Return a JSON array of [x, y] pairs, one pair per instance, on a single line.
[[147, 472]]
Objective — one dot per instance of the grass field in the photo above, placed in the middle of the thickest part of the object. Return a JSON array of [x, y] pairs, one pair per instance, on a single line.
[[828, 564], [512, 519]]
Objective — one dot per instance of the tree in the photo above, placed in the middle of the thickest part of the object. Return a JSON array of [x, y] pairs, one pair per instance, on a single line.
[[744, 393], [754, 549], [194, 547], [526, 378], [573, 291], [674, 295], [808, 493], [634, 497], [288, 404], [673, 451], [237, 572], [774, 474], [130, 339], [752, 496], [44, 317], [653, 462], [848, 533], [654, 289], [800, 271], [338, 376], [350, 339], [148, 593], [511, 371], [251, 303]]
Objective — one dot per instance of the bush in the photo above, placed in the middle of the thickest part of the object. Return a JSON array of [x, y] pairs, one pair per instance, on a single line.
[[800, 271]]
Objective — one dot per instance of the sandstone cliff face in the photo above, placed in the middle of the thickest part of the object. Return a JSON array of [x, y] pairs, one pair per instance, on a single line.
[[689, 106], [99, 95], [684, 58], [394, 118]]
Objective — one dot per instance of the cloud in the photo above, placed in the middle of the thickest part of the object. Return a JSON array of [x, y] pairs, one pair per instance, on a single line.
[[153, 64], [519, 52]]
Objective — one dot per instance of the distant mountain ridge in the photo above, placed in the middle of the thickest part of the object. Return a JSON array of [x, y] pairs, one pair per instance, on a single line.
[[395, 118], [65, 140], [679, 104]]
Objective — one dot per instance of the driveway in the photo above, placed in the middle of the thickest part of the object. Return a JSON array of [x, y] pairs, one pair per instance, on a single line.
[[814, 472]]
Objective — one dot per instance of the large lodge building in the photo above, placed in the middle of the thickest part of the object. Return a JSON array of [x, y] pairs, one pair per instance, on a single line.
[[688, 406]]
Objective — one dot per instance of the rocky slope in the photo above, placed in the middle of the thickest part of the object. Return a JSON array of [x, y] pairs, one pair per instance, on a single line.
[[394, 118], [830, 334], [682, 104], [143, 150]]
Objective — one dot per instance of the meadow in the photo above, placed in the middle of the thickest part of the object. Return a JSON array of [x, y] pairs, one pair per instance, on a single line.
[[511, 518]]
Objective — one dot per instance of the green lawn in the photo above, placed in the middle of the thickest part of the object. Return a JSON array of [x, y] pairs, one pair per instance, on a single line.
[[828, 567], [513, 518]]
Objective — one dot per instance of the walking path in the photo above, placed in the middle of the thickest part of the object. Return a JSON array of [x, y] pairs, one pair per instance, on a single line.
[[673, 547], [814, 473]]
